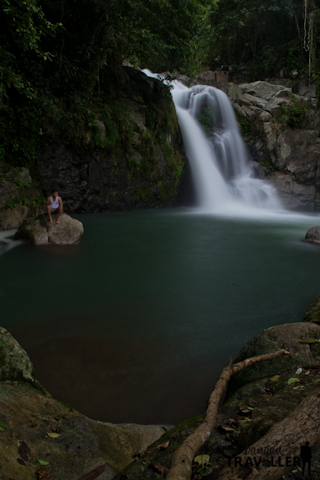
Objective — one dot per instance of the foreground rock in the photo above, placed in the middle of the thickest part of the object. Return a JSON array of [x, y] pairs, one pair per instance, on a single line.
[[313, 235], [258, 398], [313, 312], [35, 428], [39, 232]]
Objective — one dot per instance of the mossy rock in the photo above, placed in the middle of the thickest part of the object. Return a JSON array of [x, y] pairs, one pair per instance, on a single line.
[[28, 416], [313, 312], [15, 365], [271, 340]]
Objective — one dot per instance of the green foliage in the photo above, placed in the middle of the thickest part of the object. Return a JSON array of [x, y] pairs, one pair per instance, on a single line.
[[267, 165], [245, 125], [24, 201], [20, 183], [294, 115], [207, 119], [10, 205], [264, 36], [37, 201]]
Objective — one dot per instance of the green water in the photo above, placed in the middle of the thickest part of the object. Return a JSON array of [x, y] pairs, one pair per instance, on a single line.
[[135, 323]]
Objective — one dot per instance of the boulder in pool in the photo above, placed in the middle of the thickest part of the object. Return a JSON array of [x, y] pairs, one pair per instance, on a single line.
[[39, 232], [313, 235]]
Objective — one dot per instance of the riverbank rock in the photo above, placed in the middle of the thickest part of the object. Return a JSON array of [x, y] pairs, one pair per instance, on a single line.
[[39, 232], [269, 393], [313, 235], [40, 436], [313, 312], [20, 197]]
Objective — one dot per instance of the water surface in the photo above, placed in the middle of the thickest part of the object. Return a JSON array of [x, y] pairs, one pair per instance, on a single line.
[[135, 323]]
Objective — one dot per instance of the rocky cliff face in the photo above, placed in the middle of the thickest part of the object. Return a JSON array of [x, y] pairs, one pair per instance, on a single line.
[[281, 130], [133, 156]]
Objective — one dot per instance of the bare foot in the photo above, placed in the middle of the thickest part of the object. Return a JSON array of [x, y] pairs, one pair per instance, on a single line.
[[50, 220], [58, 221]]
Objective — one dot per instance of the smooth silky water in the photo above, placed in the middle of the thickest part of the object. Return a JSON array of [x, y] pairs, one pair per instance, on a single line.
[[135, 323]]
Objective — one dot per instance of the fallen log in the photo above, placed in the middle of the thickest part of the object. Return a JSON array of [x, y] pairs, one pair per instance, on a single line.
[[92, 472], [181, 462]]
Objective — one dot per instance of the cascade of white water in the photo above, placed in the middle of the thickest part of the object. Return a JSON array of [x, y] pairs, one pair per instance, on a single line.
[[219, 163]]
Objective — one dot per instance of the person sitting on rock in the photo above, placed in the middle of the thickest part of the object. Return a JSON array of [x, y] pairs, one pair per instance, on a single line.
[[54, 205]]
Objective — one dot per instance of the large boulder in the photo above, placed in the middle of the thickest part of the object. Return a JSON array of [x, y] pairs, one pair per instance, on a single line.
[[313, 235], [292, 336], [39, 232], [41, 437]]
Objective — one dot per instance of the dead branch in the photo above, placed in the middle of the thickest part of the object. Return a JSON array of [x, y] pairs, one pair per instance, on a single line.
[[181, 462], [93, 472], [286, 437]]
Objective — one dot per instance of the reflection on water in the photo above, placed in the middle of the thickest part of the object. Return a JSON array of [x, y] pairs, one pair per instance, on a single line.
[[135, 322]]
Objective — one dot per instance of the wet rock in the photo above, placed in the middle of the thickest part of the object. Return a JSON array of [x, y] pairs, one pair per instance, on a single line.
[[39, 232], [293, 195], [313, 235]]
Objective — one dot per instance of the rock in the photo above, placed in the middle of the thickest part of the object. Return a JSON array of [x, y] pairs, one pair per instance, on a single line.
[[313, 312], [28, 415], [293, 195], [272, 339], [39, 232], [19, 196], [261, 89], [313, 235], [15, 365], [12, 218]]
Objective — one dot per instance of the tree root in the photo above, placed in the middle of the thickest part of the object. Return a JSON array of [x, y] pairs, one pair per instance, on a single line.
[[181, 462]]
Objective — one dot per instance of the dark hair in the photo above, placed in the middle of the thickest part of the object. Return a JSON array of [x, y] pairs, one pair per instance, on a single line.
[[54, 190]]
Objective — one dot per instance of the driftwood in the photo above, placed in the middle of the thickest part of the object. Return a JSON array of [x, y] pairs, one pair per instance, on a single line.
[[93, 472], [285, 438], [181, 462]]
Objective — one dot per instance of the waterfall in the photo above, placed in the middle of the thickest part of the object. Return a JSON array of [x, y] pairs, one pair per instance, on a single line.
[[219, 162], [221, 170]]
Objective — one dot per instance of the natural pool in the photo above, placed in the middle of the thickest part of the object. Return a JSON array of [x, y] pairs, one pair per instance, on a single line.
[[135, 323]]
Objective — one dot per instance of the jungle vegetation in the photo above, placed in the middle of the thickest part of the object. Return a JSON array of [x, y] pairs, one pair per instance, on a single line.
[[57, 55]]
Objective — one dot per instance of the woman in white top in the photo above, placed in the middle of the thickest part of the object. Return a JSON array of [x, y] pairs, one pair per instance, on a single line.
[[54, 205]]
